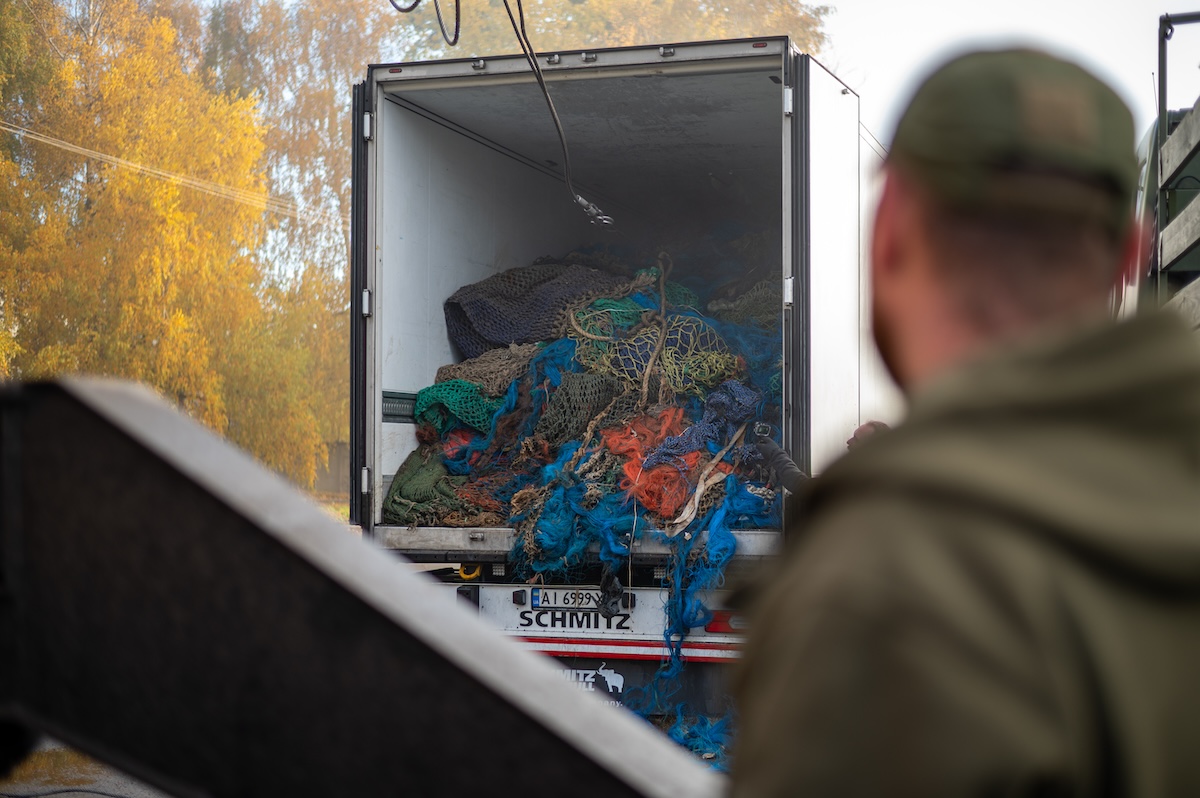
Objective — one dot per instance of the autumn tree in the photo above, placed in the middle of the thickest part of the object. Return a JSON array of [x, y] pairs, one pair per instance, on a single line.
[[149, 272], [136, 250], [298, 62], [26, 70]]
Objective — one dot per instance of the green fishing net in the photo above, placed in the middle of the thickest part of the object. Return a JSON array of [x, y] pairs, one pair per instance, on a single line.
[[579, 399], [421, 492], [446, 403]]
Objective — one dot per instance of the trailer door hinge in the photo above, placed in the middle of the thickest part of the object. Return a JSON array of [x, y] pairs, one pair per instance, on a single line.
[[789, 286], [789, 101], [365, 478], [366, 302], [367, 119]]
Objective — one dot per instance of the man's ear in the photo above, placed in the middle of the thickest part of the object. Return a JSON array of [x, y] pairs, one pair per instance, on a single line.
[[1135, 255], [883, 231], [892, 233]]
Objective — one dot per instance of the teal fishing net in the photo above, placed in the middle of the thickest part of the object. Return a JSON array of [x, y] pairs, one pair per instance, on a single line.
[[456, 402]]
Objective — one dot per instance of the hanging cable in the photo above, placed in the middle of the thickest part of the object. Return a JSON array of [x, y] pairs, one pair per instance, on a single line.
[[437, 7], [597, 216]]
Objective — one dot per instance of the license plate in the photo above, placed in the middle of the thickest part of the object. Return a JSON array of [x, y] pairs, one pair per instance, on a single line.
[[564, 598]]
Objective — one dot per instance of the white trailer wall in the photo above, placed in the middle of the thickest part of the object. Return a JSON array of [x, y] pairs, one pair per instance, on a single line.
[[451, 211], [835, 331]]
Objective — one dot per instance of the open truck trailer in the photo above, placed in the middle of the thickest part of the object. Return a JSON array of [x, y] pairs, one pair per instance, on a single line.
[[458, 177]]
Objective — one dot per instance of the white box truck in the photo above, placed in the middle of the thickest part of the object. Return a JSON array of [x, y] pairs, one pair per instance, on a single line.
[[457, 177]]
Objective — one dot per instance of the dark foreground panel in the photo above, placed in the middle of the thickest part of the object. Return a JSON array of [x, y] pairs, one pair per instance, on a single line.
[[169, 606]]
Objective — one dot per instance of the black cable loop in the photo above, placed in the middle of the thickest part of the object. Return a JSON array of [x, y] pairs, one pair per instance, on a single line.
[[437, 7], [531, 58]]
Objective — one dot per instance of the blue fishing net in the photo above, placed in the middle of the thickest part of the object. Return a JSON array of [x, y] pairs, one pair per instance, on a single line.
[[696, 569], [527, 455], [545, 373], [708, 738]]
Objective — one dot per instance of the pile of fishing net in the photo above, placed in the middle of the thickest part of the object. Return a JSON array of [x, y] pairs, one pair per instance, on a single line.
[[596, 407]]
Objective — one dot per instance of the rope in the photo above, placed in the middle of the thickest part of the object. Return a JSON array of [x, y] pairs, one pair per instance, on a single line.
[[662, 335], [704, 483]]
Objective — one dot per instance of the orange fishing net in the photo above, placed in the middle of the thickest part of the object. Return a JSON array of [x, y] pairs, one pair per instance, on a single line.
[[478, 495], [664, 488], [455, 440]]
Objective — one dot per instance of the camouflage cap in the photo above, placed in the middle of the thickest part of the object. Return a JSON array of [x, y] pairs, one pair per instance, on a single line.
[[1020, 131]]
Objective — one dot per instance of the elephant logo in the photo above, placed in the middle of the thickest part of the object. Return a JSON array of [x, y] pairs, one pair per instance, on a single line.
[[614, 681]]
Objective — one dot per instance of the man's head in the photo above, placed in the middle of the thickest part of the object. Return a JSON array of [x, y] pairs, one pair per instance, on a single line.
[[864, 431], [1007, 209]]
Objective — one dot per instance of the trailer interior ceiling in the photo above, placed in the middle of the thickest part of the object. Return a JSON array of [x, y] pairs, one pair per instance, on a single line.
[[669, 147]]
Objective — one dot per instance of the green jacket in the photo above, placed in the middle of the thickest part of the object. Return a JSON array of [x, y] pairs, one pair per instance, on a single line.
[[1001, 597]]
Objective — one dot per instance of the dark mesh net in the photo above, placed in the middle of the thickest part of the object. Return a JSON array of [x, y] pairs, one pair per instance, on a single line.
[[681, 296], [521, 305], [626, 407], [761, 305]]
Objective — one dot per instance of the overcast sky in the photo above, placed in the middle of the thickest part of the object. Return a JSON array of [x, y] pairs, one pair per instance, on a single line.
[[881, 47]]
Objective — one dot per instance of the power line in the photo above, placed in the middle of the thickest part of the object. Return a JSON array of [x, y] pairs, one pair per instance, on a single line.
[[255, 199], [881, 156], [874, 138]]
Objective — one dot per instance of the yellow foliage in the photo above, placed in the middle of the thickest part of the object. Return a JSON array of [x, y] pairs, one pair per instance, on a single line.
[[104, 269]]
